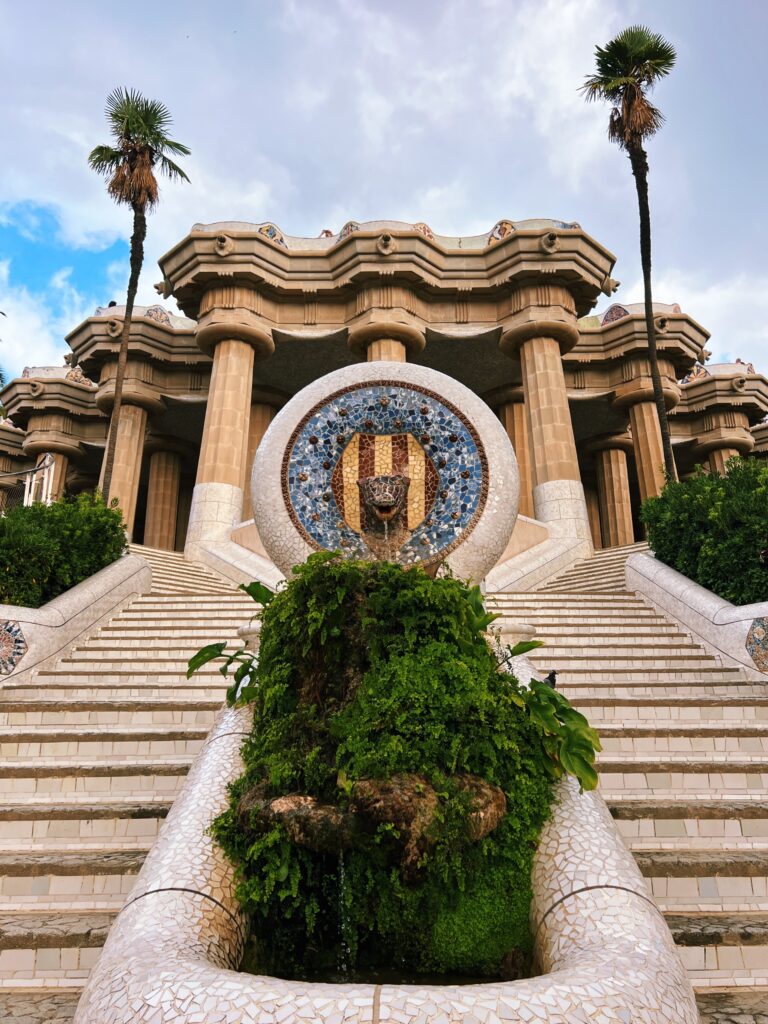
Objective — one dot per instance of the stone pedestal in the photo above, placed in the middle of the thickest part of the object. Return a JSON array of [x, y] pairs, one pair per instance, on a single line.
[[129, 448], [614, 497], [162, 500]]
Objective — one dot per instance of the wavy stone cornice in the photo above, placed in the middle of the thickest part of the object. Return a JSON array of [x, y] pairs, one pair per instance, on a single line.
[[679, 338], [243, 255], [28, 396], [742, 392], [97, 341]]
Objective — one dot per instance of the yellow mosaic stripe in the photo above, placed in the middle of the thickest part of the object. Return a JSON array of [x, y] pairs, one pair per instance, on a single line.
[[382, 455], [350, 471], [416, 491]]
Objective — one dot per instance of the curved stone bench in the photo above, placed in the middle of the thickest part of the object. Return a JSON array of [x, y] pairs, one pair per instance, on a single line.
[[606, 954]]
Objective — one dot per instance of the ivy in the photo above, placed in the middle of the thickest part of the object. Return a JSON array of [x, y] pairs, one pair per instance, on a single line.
[[371, 671]]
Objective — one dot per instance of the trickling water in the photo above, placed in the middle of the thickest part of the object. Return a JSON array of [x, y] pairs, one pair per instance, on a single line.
[[345, 956]]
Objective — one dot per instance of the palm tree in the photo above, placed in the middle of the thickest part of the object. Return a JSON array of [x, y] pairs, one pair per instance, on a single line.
[[627, 68], [141, 146]]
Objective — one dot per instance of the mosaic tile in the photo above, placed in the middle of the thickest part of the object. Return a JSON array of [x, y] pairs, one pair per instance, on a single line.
[[382, 428], [757, 643], [13, 646]]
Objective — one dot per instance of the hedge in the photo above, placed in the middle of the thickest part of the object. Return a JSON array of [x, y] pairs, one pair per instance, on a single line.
[[46, 549], [714, 529]]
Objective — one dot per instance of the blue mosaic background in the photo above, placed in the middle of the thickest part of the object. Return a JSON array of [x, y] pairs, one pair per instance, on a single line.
[[385, 409]]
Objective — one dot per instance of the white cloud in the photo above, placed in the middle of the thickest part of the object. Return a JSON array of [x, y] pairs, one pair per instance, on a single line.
[[733, 309], [33, 328]]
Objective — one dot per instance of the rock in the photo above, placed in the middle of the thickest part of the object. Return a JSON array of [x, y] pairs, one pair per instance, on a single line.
[[408, 802], [489, 805]]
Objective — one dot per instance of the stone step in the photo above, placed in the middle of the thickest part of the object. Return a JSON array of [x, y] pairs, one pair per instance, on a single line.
[[180, 646], [125, 784], [40, 930], [59, 767], [735, 1004], [40, 873], [157, 746], [616, 686], [697, 746], [733, 782], [628, 707]]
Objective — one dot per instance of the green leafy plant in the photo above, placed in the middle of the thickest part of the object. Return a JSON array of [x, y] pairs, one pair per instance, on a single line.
[[46, 549], [369, 675], [714, 529]]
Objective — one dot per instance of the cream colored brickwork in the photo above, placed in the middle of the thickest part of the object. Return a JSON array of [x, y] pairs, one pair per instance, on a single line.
[[162, 500], [614, 497]]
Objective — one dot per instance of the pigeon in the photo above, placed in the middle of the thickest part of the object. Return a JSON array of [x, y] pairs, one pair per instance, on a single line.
[[551, 679]]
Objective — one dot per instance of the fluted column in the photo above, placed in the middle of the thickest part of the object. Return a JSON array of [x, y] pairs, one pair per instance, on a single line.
[[649, 451], [129, 448], [593, 511], [162, 500], [262, 413], [228, 328], [614, 496], [546, 327], [718, 458], [513, 416], [60, 467]]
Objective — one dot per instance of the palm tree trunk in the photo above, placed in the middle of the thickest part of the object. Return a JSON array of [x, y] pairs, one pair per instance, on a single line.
[[639, 161], [137, 259]]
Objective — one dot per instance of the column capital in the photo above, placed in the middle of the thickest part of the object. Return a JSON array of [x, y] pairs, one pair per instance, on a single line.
[[507, 394], [607, 442], [360, 337], [232, 313], [637, 385], [545, 309]]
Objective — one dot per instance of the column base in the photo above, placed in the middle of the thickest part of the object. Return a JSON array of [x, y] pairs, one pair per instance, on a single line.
[[216, 508], [562, 506]]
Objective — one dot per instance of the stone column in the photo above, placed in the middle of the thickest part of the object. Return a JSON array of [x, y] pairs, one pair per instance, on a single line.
[[543, 328], [510, 409], [229, 328], [263, 411], [635, 393], [129, 448], [593, 511], [649, 451], [386, 341], [718, 458], [614, 496], [60, 467], [162, 500]]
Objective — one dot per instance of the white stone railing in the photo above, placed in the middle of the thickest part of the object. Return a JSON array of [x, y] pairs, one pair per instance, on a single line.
[[602, 945], [738, 634], [32, 638]]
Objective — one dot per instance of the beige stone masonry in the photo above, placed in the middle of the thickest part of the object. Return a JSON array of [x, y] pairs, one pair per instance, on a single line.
[[649, 453], [129, 448], [614, 496], [162, 500], [261, 415], [513, 415]]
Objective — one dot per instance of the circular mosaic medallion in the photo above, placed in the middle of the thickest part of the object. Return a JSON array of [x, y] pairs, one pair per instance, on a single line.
[[386, 460], [13, 646], [385, 429]]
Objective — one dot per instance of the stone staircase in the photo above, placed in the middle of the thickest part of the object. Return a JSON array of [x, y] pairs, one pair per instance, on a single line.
[[92, 753], [684, 769]]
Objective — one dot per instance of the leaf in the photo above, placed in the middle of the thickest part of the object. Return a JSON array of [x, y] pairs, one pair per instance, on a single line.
[[523, 646], [258, 592], [203, 656]]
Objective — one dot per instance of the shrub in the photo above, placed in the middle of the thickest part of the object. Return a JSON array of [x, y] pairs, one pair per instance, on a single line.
[[370, 675], [714, 529], [46, 549]]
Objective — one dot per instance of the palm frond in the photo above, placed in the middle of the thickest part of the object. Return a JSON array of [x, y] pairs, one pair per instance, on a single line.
[[104, 159], [170, 169], [139, 127]]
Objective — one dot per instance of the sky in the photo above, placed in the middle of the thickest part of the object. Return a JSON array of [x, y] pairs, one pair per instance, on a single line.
[[309, 113]]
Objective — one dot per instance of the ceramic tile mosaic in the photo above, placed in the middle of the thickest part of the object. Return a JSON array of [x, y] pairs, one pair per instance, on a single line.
[[13, 646], [757, 643], [606, 954], [378, 429], [374, 419]]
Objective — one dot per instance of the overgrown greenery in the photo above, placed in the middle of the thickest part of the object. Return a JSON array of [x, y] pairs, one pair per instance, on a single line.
[[369, 671], [714, 529], [46, 549]]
